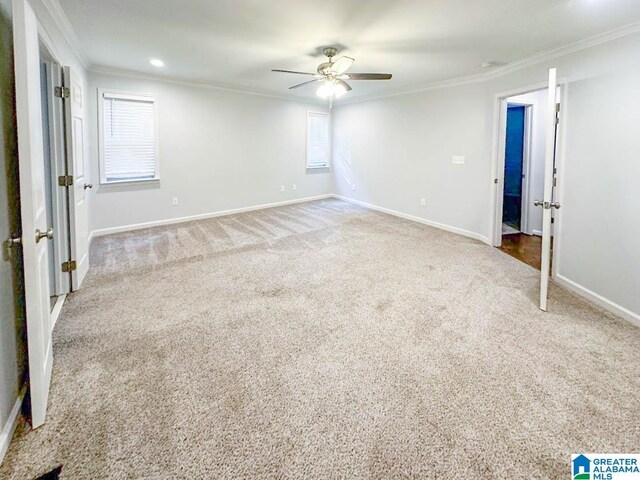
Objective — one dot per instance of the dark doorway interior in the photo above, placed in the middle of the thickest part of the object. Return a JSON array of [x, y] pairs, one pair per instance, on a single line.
[[513, 165]]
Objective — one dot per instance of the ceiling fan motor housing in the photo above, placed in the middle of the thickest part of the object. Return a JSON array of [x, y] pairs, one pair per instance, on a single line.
[[323, 68], [330, 51]]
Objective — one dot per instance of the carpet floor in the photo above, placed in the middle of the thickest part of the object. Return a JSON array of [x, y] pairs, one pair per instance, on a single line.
[[323, 340]]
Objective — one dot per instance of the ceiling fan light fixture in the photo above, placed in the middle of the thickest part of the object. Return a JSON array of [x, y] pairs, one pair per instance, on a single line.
[[339, 90], [331, 88], [327, 89]]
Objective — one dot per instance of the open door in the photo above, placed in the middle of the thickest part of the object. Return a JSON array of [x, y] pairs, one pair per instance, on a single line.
[[33, 207], [76, 173], [549, 172]]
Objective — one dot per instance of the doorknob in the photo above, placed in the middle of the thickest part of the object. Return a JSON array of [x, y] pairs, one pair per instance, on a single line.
[[88, 185], [40, 235], [547, 205]]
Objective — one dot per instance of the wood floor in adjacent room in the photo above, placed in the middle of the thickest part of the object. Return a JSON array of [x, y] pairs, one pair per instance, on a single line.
[[323, 340], [526, 248]]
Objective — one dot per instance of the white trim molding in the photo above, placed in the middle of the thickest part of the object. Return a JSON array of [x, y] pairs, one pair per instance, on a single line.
[[171, 221], [413, 218], [64, 25], [530, 61], [123, 73], [10, 427], [57, 308], [597, 299]]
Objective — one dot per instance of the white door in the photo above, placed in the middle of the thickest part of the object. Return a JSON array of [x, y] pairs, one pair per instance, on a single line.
[[78, 215], [547, 200], [33, 206]]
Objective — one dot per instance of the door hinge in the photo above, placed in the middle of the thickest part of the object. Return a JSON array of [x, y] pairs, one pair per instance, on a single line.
[[62, 92], [553, 220], [495, 180], [69, 266], [65, 180]]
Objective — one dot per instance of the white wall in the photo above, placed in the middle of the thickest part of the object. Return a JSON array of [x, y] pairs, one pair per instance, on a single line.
[[400, 150], [218, 150], [535, 175]]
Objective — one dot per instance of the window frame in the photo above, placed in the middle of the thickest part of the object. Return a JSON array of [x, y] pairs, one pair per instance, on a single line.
[[125, 94], [329, 141]]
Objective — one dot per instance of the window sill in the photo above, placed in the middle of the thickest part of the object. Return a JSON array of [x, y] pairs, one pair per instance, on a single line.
[[117, 183]]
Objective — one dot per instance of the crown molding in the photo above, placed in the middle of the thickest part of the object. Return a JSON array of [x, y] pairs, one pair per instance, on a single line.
[[527, 62], [57, 13], [62, 22], [124, 73]]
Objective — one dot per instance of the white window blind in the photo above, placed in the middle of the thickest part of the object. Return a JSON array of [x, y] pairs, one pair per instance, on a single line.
[[129, 139], [317, 140]]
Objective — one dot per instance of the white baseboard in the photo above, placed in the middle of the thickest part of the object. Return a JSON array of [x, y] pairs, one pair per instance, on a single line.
[[599, 300], [536, 232], [202, 216], [10, 426], [413, 218], [57, 308]]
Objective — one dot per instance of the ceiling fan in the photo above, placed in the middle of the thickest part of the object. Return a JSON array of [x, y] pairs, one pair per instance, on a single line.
[[332, 75]]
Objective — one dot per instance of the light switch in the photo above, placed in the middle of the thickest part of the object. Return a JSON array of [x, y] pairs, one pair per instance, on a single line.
[[458, 160]]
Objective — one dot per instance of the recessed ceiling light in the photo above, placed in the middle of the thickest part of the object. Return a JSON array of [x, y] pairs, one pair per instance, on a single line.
[[156, 62]]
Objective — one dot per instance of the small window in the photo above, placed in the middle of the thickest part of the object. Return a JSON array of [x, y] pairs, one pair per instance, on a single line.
[[128, 143], [317, 140]]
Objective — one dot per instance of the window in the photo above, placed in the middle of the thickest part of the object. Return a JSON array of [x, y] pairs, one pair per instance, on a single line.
[[317, 140], [128, 147]]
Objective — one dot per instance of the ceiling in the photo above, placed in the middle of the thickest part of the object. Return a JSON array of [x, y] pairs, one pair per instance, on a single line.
[[237, 42]]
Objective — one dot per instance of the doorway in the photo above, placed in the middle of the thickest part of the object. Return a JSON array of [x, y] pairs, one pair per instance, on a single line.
[[521, 174], [514, 174], [55, 171]]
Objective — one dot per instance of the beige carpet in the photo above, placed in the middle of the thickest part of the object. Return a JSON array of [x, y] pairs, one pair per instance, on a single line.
[[323, 340]]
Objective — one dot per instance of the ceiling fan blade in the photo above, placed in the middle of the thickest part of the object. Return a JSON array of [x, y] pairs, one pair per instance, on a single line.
[[369, 76], [341, 65], [291, 71], [346, 86], [305, 83]]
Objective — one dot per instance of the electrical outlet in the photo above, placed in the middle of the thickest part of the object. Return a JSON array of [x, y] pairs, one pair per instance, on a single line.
[[294, 187], [353, 187], [282, 188], [423, 202], [458, 160], [174, 201]]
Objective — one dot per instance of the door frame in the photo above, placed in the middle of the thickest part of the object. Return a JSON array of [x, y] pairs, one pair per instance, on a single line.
[[497, 162], [58, 160]]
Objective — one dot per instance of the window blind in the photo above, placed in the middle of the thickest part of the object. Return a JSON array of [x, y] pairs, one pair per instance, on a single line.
[[317, 140], [129, 151]]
